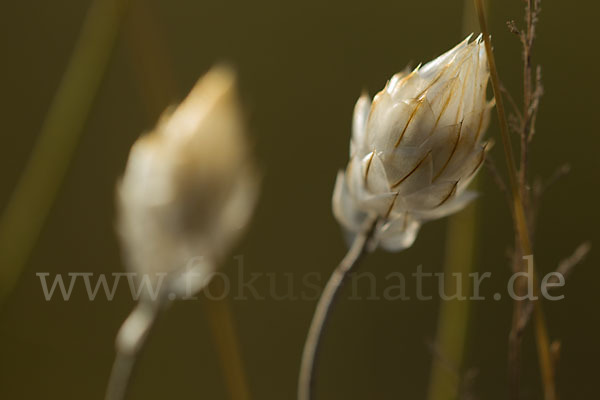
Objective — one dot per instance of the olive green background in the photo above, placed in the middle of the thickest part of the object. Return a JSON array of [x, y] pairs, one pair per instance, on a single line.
[[301, 67]]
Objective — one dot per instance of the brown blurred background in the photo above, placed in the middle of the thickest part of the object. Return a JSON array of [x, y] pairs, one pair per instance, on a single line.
[[301, 67]]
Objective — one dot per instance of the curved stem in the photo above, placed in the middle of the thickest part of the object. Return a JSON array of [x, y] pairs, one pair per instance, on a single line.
[[130, 342], [306, 382], [542, 339], [120, 376]]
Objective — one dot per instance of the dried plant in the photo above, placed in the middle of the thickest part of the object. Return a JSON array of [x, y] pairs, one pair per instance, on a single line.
[[524, 202], [413, 152]]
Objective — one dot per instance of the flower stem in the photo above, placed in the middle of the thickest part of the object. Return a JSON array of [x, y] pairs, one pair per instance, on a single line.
[[130, 342], [306, 381], [157, 84], [543, 343]]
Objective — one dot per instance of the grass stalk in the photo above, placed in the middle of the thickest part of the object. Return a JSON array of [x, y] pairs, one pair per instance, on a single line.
[[453, 319], [541, 333], [459, 261], [32, 199], [220, 319]]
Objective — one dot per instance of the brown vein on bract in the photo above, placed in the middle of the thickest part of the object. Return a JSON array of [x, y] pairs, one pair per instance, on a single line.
[[449, 194], [458, 67], [453, 62], [410, 118], [412, 171], [451, 94], [406, 77], [387, 214], [378, 95], [434, 81], [421, 97], [369, 166], [451, 154], [462, 95], [445, 106], [483, 152]]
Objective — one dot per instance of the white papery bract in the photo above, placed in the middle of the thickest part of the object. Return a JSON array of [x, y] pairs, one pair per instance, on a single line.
[[416, 147], [189, 187]]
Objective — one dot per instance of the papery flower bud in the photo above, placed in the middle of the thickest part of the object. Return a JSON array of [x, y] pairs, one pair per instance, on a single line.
[[415, 149], [189, 187]]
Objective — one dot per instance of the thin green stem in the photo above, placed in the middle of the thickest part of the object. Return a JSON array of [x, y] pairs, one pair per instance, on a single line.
[[543, 342], [32, 199], [453, 318]]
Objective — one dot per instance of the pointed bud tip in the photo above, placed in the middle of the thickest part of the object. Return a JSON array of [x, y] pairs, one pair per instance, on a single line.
[[217, 84]]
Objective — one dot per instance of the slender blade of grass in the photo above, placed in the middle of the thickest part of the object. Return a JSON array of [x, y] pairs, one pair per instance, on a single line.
[[459, 258], [34, 195]]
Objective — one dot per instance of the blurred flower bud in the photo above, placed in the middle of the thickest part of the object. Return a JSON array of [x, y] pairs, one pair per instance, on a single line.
[[189, 187], [415, 149]]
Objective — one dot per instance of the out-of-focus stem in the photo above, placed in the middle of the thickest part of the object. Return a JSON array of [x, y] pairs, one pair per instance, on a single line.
[[150, 60], [526, 98], [220, 318], [40, 181], [543, 342], [453, 319], [130, 342], [460, 252]]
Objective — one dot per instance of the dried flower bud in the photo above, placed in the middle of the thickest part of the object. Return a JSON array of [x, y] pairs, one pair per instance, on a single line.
[[189, 186], [415, 149]]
